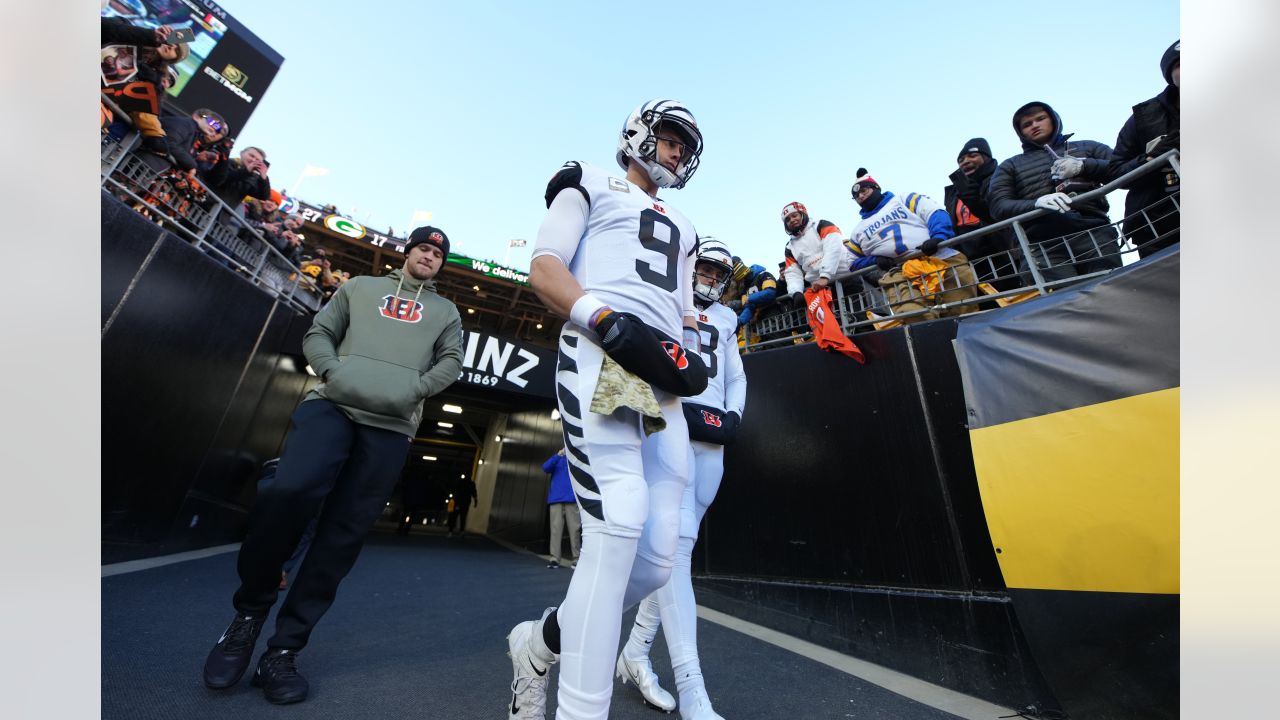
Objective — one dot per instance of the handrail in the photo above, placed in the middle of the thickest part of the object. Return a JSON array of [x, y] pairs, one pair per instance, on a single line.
[[284, 291]]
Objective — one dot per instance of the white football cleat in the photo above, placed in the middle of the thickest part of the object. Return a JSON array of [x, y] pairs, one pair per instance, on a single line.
[[529, 686], [698, 707], [641, 673]]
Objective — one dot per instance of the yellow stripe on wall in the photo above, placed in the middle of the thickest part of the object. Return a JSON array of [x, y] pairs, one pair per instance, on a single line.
[[1087, 498]]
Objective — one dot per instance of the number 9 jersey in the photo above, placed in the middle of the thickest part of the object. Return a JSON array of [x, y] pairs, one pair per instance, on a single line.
[[628, 249]]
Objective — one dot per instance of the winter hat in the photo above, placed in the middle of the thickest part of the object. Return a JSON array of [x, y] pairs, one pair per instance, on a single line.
[[431, 236], [979, 145], [1170, 57], [864, 181]]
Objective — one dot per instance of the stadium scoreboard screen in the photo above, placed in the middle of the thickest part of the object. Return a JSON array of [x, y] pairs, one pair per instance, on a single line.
[[229, 68]]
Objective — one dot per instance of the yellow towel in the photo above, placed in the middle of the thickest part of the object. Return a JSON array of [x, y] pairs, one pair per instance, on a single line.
[[618, 388]]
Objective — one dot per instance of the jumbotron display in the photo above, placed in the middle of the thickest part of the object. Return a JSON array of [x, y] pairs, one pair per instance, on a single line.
[[229, 67]]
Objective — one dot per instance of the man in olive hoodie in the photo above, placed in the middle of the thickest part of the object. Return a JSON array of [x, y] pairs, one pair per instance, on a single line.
[[381, 346]]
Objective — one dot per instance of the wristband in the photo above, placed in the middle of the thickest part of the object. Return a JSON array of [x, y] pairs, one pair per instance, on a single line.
[[584, 310]]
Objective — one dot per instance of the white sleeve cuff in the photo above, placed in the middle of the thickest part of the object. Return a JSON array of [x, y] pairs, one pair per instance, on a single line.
[[583, 309]]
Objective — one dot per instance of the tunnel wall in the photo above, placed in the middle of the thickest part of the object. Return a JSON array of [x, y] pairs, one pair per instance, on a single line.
[[849, 516], [518, 514], [200, 372]]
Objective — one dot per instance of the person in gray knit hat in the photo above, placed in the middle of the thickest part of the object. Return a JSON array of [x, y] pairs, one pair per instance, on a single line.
[[380, 347]]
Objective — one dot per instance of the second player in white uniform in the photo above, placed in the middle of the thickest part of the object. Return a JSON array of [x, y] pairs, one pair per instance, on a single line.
[[713, 418], [617, 261]]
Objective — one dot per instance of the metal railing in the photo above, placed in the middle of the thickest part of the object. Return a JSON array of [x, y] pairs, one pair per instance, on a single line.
[[178, 203], [989, 281]]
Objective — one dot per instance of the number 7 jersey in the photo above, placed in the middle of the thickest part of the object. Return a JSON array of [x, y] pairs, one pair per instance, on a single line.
[[635, 253]]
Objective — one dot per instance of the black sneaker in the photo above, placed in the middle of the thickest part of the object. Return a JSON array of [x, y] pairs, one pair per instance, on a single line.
[[278, 677], [229, 659]]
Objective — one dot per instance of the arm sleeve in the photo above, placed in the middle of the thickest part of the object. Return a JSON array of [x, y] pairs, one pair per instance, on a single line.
[[1000, 196], [686, 286], [1097, 166], [735, 382], [940, 225], [1129, 152], [446, 361], [121, 31], [563, 227], [833, 250], [766, 294], [793, 274], [320, 344], [550, 464]]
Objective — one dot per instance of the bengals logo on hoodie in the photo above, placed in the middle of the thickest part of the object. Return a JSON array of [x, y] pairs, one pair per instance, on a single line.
[[402, 309]]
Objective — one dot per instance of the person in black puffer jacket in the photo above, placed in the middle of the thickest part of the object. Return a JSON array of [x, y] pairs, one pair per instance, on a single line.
[[1153, 121], [1075, 239], [966, 202]]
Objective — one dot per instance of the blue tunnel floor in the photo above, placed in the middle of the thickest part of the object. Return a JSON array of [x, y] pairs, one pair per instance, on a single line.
[[419, 631]]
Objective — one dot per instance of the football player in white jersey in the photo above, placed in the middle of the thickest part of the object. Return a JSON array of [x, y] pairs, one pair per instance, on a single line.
[[617, 262], [713, 419]]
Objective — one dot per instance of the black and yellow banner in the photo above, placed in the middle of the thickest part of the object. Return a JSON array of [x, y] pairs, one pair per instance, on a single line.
[[1073, 405]]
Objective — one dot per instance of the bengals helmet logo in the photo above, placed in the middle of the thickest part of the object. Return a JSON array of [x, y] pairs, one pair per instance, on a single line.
[[402, 309], [676, 353], [711, 418]]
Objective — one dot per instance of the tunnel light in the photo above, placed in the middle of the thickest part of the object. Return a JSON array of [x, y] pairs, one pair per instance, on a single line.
[[444, 424], [388, 267], [450, 494], [497, 438], [476, 288], [555, 414], [464, 476], [539, 326], [406, 518], [471, 311], [451, 408], [482, 462], [431, 458]]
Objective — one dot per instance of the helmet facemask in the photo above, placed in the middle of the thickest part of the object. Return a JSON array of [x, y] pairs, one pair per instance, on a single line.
[[715, 261]]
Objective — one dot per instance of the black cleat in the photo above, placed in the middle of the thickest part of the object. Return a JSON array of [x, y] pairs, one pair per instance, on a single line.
[[229, 659], [278, 677]]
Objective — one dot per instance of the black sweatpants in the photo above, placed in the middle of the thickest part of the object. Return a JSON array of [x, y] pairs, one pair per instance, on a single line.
[[352, 469]]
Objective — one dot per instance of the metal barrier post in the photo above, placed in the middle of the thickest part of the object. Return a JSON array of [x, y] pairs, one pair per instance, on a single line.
[[1025, 244], [839, 306]]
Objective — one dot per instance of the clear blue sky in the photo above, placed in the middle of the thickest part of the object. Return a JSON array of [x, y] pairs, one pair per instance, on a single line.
[[467, 109]]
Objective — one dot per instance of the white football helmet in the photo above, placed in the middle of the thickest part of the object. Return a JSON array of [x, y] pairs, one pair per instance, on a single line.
[[639, 141], [714, 252]]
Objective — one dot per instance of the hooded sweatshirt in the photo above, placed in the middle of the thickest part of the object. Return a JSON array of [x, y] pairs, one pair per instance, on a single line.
[[1019, 180], [381, 346]]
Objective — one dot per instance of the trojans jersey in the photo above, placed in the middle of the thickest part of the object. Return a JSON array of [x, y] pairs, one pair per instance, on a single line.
[[897, 227], [637, 253], [726, 380]]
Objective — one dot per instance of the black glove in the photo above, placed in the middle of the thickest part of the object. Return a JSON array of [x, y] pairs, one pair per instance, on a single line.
[[885, 263], [930, 246], [1167, 143], [797, 299], [732, 421], [642, 352], [873, 278], [734, 305]]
